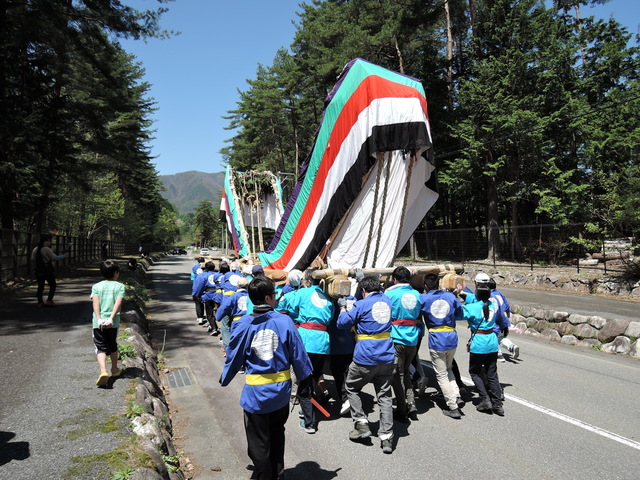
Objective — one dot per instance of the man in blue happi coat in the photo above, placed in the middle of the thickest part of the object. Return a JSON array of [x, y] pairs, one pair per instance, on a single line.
[[439, 310], [196, 270], [267, 345], [373, 358]]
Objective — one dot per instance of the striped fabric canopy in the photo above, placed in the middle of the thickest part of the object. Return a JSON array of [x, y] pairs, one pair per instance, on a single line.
[[349, 204], [239, 215]]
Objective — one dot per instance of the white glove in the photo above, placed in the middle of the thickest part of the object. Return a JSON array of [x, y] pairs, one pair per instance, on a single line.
[[105, 323]]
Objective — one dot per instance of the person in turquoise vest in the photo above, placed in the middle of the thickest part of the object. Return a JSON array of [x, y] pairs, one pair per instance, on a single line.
[[267, 347], [312, 310], [483, 348], [405, 320]]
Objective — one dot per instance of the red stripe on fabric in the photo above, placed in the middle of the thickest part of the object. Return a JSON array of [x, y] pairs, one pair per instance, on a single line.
[[370, 89]]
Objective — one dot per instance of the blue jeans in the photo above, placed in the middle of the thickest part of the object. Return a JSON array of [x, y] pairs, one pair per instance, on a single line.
[[225, 329]]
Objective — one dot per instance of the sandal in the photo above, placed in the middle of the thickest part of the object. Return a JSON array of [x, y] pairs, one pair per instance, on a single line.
[[103, 379]]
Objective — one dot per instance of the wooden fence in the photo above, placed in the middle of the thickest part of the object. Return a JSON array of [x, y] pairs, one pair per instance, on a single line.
[[16, 248]]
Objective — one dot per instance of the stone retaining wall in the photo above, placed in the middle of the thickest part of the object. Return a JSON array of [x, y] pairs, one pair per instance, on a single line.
[[583, 283], [611, 336], [153, 425]]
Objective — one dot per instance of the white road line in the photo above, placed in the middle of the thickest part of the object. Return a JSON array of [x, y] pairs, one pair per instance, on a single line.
[[566, 418]]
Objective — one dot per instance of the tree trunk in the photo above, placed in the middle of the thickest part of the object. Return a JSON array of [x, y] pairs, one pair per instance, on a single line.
[[7, 210], [493, 233], [472, 14], [296, 141], [399, 53], [449, 57], [582, 51]]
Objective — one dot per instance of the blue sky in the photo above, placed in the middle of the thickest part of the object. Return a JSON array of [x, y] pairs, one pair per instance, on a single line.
[[196, 75]]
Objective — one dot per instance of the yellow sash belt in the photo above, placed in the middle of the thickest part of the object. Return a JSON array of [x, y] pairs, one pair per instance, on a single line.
[[265, 378], [377, 336], [443, 328]]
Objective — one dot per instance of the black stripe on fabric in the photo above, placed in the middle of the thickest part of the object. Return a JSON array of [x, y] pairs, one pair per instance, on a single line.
[[384, 138]]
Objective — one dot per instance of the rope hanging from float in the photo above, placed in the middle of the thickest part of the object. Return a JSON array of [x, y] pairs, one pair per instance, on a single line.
[[384, 203], [379, 165], [412, 159]]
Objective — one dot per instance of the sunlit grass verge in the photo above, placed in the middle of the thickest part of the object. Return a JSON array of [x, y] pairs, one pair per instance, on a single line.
[[127, 457]]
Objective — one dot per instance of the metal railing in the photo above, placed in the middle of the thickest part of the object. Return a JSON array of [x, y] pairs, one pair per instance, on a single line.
[[536, 245]]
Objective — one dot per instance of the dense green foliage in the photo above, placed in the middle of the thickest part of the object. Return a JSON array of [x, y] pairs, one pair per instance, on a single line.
[[205, 225], [75, 122], [533, 109]]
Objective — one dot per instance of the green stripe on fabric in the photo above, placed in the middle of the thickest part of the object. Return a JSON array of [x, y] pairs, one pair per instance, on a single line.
[[233, 211], [358, 72]]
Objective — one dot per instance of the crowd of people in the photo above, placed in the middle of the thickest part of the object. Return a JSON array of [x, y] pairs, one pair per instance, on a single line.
[[283, 331]]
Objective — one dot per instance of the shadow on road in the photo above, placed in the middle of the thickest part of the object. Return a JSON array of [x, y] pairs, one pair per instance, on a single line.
[[306, 470], [16, 450]]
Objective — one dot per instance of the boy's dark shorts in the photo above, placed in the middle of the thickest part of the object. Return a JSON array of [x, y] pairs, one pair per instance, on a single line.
[[105, 340]]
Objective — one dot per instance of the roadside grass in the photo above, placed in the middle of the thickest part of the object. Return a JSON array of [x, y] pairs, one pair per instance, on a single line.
[[128, 456], [88, 421]]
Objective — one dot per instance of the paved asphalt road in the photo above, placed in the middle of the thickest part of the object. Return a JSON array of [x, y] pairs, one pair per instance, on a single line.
[[608, 307], [52, 416], [571, 413]]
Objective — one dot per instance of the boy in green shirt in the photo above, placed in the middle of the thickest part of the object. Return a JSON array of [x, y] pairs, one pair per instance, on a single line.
[[107, 297]]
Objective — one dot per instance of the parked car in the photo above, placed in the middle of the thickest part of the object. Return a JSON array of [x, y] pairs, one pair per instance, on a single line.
[[179, 251]]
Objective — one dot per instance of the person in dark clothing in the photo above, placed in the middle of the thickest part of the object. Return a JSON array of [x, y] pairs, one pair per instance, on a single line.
[[43, 257]]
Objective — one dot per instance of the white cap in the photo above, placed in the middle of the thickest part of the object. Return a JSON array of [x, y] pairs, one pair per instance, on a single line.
[[482, 278], [295, 278]]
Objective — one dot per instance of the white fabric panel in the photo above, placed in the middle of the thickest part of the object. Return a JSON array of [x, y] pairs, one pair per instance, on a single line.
[[381, 111], [349, 247], [269, 210]]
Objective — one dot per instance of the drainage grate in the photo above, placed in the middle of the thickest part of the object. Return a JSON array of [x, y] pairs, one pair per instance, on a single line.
[[178, 378]]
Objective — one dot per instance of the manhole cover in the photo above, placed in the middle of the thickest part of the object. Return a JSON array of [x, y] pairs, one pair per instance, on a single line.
[[178, 378]]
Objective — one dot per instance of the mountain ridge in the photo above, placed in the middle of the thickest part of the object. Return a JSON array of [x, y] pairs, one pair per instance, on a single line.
[[186, 189]]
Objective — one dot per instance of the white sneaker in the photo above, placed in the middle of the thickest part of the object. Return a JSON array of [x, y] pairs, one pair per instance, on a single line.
[[501, 358], [515, 350], [346, 406]]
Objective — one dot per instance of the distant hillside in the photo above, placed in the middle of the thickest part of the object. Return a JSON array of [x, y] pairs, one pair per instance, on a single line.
[[185, 190]]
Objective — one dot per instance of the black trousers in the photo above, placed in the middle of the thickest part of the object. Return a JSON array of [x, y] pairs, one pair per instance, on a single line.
[[339, 365], [317, 362], [265, 442], [456, 374], [492, 386], [51, 280], [199, 307], [209, 308]]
